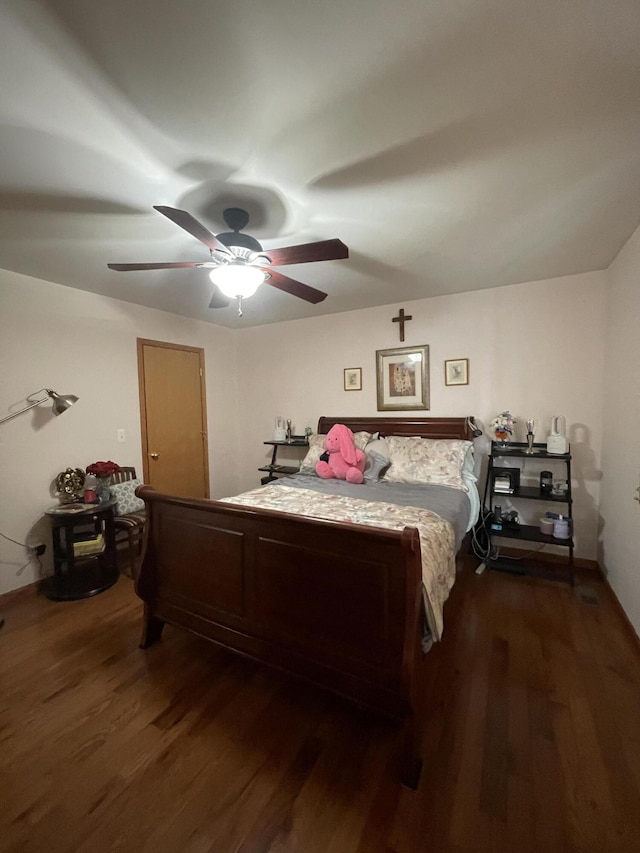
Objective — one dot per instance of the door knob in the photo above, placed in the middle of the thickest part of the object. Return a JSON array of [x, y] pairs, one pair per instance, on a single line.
[[154, 455]]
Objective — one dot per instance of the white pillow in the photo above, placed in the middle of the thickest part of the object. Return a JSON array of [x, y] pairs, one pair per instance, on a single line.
[[316, 449], [426, 460]]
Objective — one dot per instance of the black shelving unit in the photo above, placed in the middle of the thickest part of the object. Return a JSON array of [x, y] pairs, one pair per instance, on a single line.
[[273, 470], [528, 532]]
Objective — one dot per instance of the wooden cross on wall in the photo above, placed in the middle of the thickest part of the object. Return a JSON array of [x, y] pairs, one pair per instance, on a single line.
[[401, 319]]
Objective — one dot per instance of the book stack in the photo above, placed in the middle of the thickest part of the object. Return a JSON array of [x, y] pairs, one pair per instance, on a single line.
[[86, 545]]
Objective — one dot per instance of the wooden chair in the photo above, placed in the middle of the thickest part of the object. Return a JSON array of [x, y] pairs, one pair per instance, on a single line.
[[130, 527]]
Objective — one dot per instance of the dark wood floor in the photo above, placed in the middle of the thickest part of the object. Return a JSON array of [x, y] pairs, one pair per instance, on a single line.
[[532, 739]]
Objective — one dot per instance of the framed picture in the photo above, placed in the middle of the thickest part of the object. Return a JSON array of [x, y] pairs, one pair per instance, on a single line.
[[353, 379], [456, 371], [402, 377]]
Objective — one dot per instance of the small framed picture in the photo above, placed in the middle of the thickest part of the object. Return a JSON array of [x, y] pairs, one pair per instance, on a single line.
[[402, 378], [456, 371], [353, 379]]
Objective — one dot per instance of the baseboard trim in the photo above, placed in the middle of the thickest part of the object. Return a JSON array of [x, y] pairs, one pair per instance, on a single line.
[[27, 591], [554, 559]]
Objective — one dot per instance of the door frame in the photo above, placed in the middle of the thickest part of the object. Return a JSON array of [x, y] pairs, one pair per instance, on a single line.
[[141, 343]]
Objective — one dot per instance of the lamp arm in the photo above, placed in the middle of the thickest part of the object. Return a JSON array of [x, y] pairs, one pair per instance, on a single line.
[[26, 408]]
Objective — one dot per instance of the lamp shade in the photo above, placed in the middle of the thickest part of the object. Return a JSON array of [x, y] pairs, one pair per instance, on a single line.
[[237, 280], [61, 402]]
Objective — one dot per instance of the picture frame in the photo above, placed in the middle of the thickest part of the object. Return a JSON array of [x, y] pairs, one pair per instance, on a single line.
[[402, 378], [353, 379], [456, 371]]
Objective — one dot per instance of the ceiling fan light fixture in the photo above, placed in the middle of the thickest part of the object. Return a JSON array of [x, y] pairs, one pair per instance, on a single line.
[[237, 280]]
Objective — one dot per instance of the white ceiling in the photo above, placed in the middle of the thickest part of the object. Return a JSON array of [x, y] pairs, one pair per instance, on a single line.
[[453, 145]]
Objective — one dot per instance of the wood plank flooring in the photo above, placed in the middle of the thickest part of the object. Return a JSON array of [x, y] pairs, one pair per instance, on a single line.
[[531, 742]]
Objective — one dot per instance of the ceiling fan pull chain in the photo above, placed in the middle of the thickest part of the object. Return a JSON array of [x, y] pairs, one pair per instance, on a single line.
[[239, 306]]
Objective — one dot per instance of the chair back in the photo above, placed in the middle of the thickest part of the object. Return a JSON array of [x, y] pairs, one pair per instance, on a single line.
[[123, 475]]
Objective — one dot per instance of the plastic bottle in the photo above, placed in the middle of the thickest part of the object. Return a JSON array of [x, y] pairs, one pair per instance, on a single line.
[[561, 528]]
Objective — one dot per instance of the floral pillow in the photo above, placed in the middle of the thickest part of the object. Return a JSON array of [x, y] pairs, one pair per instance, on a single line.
[[316, 449], [124, 494], [426, 460]]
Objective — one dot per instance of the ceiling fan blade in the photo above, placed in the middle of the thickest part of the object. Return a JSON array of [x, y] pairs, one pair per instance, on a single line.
[[218, 300], [192, 226], [295, 288], [323, 250], [167, 266]]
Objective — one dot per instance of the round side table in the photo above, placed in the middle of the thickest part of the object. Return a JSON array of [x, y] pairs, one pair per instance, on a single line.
[[78, 575]]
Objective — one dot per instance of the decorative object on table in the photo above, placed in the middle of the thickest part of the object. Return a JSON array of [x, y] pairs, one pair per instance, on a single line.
[[308, 432], [70, 485], [61, 402], [280, 432], [353, 379], [345, 460], [557, 440], [103, 471], [402, 378], [531, 430], [456, 371], [502, 427], [90, 485], [546, 482], [289, 431]]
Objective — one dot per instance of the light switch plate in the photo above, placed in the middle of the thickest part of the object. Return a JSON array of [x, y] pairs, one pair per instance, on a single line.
[[122, 435]]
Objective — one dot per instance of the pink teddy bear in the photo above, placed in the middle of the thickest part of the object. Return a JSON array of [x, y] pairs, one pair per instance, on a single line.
[[345, 461]]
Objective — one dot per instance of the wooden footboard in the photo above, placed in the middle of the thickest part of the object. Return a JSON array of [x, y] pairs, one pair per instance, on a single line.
[[334, 603]]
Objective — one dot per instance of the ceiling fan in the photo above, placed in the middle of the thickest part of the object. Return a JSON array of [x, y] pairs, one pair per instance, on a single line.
[[239, 264]]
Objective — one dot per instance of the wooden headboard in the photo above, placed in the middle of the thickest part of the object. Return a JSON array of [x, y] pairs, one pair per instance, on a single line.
[[423, 427]]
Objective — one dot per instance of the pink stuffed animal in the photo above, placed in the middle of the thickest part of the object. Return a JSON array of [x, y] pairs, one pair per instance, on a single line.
[[346, 462]]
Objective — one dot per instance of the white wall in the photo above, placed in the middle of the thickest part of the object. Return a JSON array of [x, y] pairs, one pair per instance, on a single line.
[[620, 513], [85, 344], [536, 349]]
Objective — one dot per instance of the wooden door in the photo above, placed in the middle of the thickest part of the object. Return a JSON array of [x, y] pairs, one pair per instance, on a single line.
[[173, 418]]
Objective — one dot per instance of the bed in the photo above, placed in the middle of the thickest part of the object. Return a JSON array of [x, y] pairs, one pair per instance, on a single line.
[[337, 599]]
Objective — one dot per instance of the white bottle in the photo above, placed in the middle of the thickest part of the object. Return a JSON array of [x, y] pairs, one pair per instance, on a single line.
[[561, 528]]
